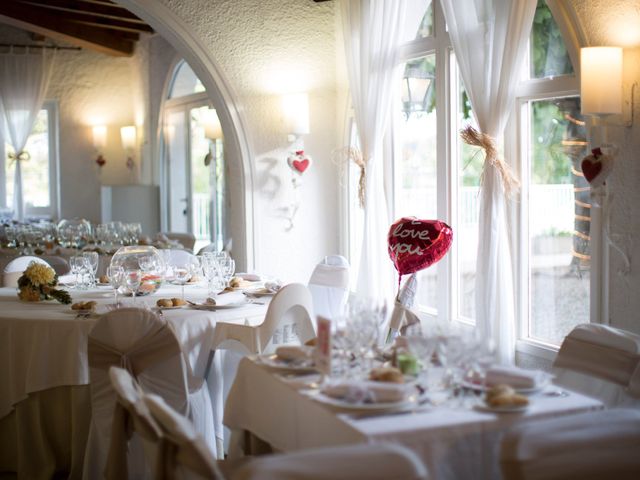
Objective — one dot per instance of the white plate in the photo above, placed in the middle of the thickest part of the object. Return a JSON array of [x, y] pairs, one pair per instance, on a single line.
[[207, 306], [272, 361], [259, 293], [369, 407], [486, 408], [522, 391]]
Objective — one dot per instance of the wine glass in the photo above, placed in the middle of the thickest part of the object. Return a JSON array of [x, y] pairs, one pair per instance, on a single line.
[[182, 274], [78, 268], [132, 282], [93, 260], [116, 275]]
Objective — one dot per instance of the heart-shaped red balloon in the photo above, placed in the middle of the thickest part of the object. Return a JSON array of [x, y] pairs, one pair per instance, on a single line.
[[301, 165], [417, 244]]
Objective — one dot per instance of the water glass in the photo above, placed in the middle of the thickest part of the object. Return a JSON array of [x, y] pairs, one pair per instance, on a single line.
[[132, 282], [93, 260], [182, 274], [116, 277]]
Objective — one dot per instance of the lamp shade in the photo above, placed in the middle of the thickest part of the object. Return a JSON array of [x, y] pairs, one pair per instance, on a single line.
[[128, 137], [295, 107], [99, 136], [601, 80], [212, 127]]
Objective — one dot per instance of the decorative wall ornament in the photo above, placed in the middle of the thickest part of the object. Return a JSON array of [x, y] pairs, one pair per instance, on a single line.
[[298, 163]]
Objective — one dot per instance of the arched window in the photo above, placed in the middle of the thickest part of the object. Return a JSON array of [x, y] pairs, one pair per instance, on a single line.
[[193, 161]]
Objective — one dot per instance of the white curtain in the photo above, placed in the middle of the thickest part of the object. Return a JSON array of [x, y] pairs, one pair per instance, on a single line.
[[373, 32], [489, 39], [24, 78]]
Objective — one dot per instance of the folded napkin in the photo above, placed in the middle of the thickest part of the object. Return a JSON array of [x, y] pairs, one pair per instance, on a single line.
[[515, 377], [292, 353], [226, 298], [366, 391], [249, 277]]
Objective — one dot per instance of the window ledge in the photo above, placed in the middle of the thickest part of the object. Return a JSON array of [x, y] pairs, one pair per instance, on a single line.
[[537, 349]]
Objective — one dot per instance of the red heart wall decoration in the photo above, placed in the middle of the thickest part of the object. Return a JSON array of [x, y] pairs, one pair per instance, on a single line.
[[301, 165], [597, 167], [299, 162], [417, 244]]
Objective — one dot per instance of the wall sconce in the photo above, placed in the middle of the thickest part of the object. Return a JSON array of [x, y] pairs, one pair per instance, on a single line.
[[295, 108], [601, 80], [128, 137], [100, 142]]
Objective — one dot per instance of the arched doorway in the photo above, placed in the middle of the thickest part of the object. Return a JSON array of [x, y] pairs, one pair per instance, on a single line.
[[237, 151]]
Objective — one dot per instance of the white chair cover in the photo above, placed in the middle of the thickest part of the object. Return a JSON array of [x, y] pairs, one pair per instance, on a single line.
[[288, 320], [208, 248], [59, 264], [131, 414], [181, 447], [329, 286], [594, 445], [14, 269], [349, 462], [602, 362], [143, 344], [187, 240]]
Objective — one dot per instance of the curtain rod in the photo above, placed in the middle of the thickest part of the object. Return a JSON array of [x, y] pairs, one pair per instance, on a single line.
[[53, 47]]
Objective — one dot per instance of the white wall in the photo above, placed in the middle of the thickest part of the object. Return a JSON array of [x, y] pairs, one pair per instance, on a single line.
[[267, 48]]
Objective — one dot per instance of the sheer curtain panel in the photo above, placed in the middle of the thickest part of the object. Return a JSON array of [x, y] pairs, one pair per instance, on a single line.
[[489, 38], [373, 32], [24, 78]]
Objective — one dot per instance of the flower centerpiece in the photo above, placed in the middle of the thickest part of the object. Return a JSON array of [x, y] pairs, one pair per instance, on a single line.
[[38, 282]]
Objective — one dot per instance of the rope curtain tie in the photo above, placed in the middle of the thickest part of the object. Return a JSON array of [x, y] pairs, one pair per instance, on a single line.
[[354, 154], [22, 156], [473, 137]]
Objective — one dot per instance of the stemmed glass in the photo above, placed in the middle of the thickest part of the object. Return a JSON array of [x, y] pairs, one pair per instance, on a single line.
[[132, 281], [182, 274], [228, 268], [93, 260], [116, 275], [79, 267]]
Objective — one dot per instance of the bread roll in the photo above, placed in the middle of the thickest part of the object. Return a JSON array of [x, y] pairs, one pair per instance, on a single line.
[[164, 302], [178, 302], [386, 374]]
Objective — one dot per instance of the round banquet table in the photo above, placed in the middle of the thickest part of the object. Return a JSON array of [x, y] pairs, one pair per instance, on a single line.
[[43, 348]]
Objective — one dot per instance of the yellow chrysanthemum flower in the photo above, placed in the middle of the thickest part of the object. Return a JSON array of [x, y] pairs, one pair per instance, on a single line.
[[40, 274]]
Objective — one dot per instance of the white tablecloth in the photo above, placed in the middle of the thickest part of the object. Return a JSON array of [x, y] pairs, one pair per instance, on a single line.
[[43, 345], [454, 443]]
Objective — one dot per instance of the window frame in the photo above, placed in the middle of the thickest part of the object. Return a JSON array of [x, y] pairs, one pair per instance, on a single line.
[[53, 210], [447, 83]]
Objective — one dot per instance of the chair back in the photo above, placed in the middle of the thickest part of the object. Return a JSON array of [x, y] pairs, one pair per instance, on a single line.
[[131, 415], [378, 461], [602, 362], [59, 264], [593, 445], [288, 318], [138, 341], [16, 267], [181, 446], [212, 247], [187, 240], [329, 286]]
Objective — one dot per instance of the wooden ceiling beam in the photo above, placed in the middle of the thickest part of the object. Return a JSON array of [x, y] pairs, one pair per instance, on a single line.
[[108, 42], [87, 18], [108, 10]]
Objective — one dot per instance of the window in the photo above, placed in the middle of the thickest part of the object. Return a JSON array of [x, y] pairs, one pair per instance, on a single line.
[[555, 209], [39, 172], [193, 165], [432, 174]]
